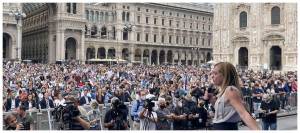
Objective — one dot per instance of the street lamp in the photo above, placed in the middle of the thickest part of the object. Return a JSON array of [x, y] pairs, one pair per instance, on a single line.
[[128, 28], [19, 15]]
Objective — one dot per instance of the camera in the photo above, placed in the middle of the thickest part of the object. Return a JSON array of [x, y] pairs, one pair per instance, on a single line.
[[149, 104], [119, 114], [65, 114], [116, 104]]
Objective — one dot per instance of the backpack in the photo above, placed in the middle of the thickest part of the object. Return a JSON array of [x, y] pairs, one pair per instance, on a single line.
[[138, 105]]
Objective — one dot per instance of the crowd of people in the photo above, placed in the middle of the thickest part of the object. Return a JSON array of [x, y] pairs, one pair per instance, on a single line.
[[184, 95]]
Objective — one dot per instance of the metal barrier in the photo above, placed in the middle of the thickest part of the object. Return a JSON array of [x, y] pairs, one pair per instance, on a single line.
[[42, 120], [286, 101]]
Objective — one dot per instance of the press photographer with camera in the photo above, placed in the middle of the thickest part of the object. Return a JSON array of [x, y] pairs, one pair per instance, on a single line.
[[70, 116], [116, 117], [148, 117], [268, 112]]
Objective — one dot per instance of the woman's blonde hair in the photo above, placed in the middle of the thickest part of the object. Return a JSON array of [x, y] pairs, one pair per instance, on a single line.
[[230, 76]]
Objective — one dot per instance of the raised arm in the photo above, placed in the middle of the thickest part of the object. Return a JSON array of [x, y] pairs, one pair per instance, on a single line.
[[235, 100]]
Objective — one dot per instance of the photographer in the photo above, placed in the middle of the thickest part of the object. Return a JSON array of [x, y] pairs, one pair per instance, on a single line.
[[268, 111], [73, 116], [148, 117], [116, 117]]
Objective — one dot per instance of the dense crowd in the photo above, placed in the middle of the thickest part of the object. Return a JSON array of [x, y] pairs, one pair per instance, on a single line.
[[185, 94]]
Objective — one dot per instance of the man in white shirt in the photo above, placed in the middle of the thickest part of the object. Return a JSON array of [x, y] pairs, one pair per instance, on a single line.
[[148, 117]]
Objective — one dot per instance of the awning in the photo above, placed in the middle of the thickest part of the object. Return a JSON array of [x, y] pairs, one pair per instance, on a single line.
[[107, 60]]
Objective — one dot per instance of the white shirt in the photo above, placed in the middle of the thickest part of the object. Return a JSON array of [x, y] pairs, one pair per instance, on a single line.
[[30, 105], [87, 100], [13, 103]]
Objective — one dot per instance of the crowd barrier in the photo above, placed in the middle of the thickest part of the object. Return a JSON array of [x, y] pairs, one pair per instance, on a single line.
[[44, 120], [286, 101]]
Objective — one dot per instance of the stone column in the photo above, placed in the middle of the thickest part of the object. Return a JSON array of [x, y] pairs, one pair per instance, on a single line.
[[118, 52], [142, 50], [266, 54], [96, 51], [106, 55], [62, 42], [51, 46], [132, 53], [82, 47], [59, 45], [119, 34], [19, 40], [98, 31]]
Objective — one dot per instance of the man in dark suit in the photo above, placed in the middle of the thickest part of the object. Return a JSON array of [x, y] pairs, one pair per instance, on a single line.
[[11, 102], [85, 99], [46, 102]]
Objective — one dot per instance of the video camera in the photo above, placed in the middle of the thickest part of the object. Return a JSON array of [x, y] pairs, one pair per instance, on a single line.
[[149, 104], [116, 104], [65, 114], [119, 113]]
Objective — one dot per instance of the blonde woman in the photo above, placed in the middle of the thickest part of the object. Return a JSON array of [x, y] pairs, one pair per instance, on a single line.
[[229, 109]]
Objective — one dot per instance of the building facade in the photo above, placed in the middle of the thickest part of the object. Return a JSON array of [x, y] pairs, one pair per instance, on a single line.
[[256, 35], [11, 43], [149, 33]]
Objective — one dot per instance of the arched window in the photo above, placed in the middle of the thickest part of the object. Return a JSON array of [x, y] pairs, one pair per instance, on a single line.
[[243, 19], [275, 15]]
